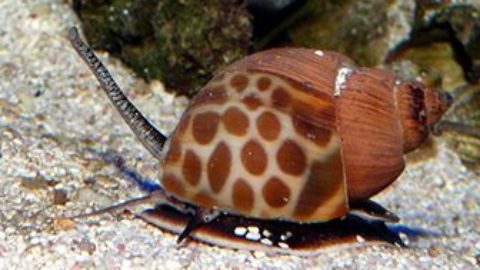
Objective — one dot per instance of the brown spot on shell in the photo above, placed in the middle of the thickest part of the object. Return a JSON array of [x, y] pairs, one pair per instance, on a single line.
[[291, 158], [235, 121], [264, 83], [174, 151], [280, 97], [192, 168], [268, 126], [204, 199], [172, 184], [276, 193], [254, 157], [315, 124], [239, 82], [252, 101], [242, 195], [210, 94], [204, 126], [323, 181], [218, 167]]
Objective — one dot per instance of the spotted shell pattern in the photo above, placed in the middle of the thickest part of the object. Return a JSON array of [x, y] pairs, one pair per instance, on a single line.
[[239, 146]]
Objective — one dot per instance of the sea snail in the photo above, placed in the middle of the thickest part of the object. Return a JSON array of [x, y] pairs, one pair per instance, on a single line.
[[291, 134]]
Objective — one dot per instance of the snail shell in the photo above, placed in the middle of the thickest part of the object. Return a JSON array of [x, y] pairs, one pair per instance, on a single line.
[[296, 134]]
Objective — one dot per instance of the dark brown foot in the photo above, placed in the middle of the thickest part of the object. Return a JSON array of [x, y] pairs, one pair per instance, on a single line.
[[372, 210], [275, 236]]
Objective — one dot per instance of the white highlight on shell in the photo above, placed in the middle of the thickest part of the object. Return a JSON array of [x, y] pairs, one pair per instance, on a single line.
[[240, 231], [319, 53], [341, 79], [283, 245]]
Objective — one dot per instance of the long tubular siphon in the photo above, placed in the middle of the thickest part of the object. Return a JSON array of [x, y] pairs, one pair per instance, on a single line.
[[150, 136]]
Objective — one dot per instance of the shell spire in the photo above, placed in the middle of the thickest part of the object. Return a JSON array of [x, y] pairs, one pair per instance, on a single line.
[[419, 108]]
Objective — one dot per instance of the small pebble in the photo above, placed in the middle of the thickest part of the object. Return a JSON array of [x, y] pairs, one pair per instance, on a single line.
[[64, 224], [59, 196]]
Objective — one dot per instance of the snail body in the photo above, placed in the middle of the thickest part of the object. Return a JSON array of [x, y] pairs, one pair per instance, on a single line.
[[290, 137], [296, 134]]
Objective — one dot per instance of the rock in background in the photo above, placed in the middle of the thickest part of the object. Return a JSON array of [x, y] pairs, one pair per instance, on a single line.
[[180, 42]]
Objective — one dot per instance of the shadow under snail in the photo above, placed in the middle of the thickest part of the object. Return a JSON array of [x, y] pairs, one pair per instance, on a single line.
[[279, 148]]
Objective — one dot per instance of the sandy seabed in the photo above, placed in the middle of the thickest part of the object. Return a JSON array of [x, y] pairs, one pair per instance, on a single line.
[[52, 113]]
